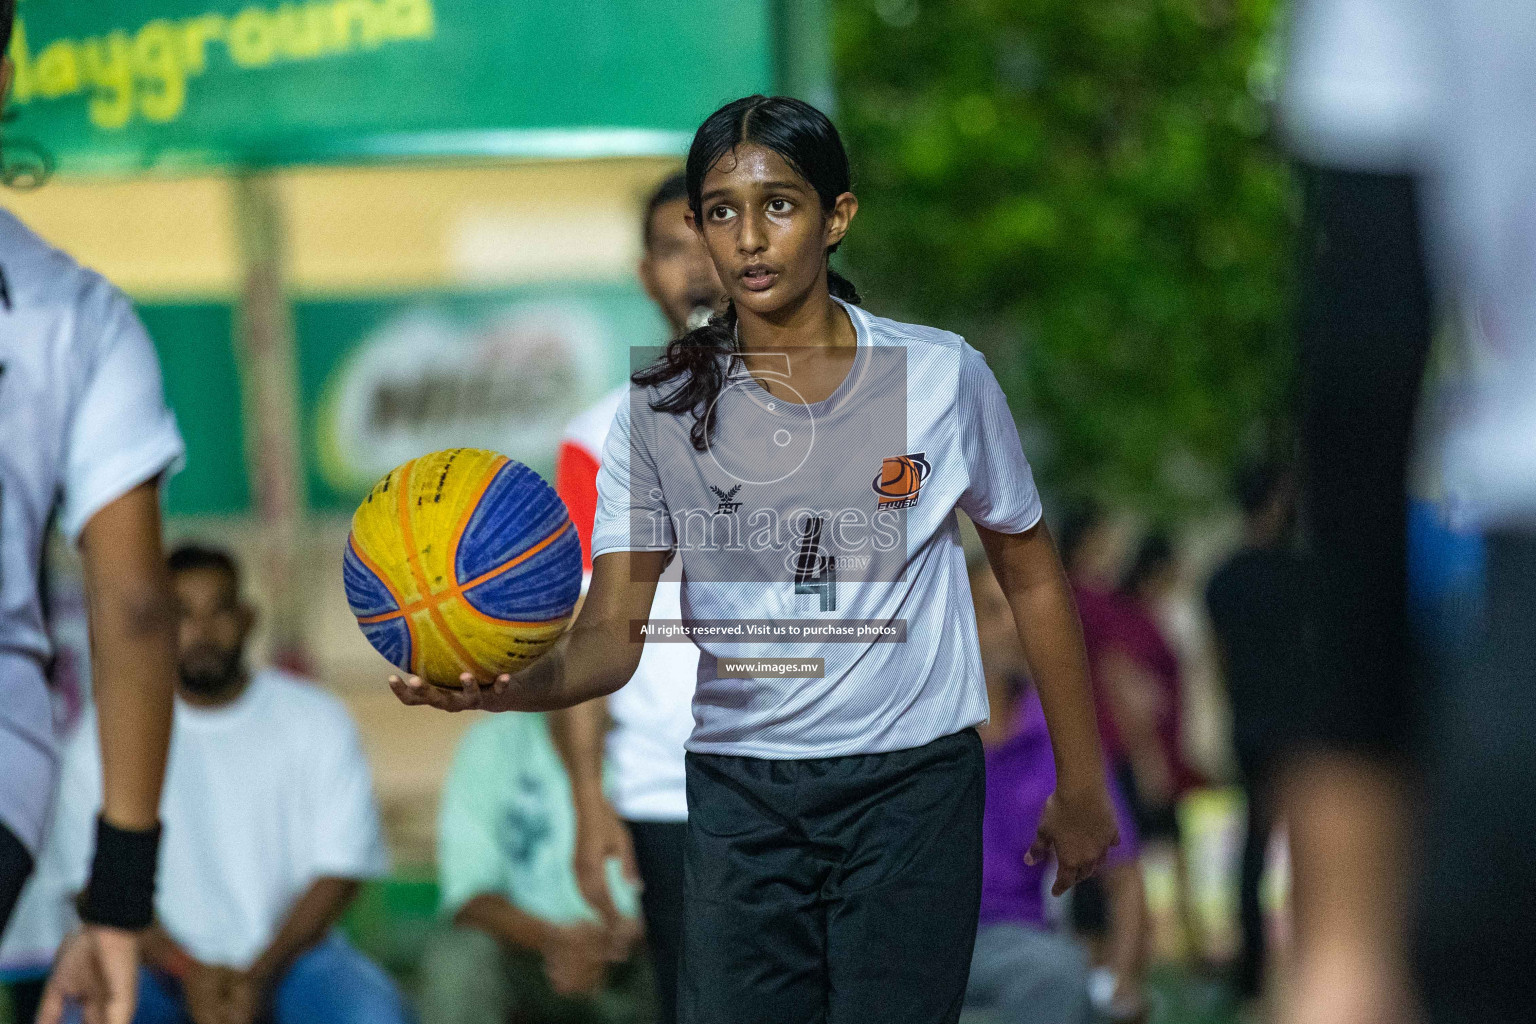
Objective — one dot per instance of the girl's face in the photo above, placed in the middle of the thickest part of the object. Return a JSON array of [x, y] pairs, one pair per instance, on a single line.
[[765, 229]]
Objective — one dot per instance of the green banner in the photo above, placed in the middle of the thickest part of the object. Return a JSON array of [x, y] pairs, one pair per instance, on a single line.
[[186, 84], [383, 380], [202, 385]]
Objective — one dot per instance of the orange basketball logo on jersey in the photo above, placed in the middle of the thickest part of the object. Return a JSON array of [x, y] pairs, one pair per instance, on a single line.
[[901, 480]]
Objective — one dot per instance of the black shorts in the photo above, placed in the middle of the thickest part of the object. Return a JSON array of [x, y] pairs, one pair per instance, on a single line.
[[659, 855], [840, 890]]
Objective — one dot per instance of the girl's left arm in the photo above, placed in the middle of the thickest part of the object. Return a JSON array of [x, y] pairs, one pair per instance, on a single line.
[[1079, 821]]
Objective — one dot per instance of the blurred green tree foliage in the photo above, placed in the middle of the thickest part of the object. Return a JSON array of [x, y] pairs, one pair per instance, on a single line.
[[1090, 191]]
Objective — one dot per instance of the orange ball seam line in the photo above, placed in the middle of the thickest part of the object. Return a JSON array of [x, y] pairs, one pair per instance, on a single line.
[[459, 589]]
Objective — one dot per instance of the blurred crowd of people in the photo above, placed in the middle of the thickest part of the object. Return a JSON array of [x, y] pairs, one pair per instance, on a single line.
[[271, 824]]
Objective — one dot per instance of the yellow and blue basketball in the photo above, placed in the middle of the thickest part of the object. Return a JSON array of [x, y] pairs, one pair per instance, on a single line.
[[462, 561]]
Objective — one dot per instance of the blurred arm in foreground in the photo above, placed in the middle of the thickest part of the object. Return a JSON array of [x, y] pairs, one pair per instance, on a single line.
[[134, 658]]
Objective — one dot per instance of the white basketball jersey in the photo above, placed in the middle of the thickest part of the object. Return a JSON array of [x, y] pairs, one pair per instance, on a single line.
[[82, 422], [832, 526]]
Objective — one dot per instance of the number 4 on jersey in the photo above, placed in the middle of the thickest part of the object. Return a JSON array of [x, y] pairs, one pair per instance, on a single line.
[[816, 573]]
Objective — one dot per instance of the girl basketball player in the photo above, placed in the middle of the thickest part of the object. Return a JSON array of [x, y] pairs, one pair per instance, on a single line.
[[804, 459]]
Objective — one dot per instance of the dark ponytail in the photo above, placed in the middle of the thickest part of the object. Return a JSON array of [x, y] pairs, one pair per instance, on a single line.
[[700, 361], [840, 286]]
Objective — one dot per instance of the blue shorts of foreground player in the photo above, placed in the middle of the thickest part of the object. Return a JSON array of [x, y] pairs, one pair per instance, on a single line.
[[331, 984]]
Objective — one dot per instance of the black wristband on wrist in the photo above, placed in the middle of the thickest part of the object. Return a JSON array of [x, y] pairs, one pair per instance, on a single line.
[[121, 892]]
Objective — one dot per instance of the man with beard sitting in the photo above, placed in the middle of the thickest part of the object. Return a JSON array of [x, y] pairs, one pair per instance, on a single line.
[[269, 826]]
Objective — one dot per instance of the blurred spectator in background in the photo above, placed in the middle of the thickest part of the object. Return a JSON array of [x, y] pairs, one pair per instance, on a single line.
[[652, 715], [269, 826], [1140, 674], [523, 939], [1088, 554], [1258, 605], [1023, 970], [1413, 121]]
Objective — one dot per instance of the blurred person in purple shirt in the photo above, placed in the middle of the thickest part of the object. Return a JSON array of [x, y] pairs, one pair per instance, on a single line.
[[1023, 970]]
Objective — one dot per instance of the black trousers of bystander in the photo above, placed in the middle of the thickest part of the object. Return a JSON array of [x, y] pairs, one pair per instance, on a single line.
[[659, 855]]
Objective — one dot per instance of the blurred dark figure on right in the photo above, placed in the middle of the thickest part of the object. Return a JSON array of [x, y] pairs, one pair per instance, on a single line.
[[1412, 797], [1257, 602]]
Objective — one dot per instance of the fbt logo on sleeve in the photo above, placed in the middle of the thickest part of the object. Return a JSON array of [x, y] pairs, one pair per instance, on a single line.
[[900, 481]]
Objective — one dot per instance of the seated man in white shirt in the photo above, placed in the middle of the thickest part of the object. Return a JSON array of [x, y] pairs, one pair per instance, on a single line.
[[269, 827]]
